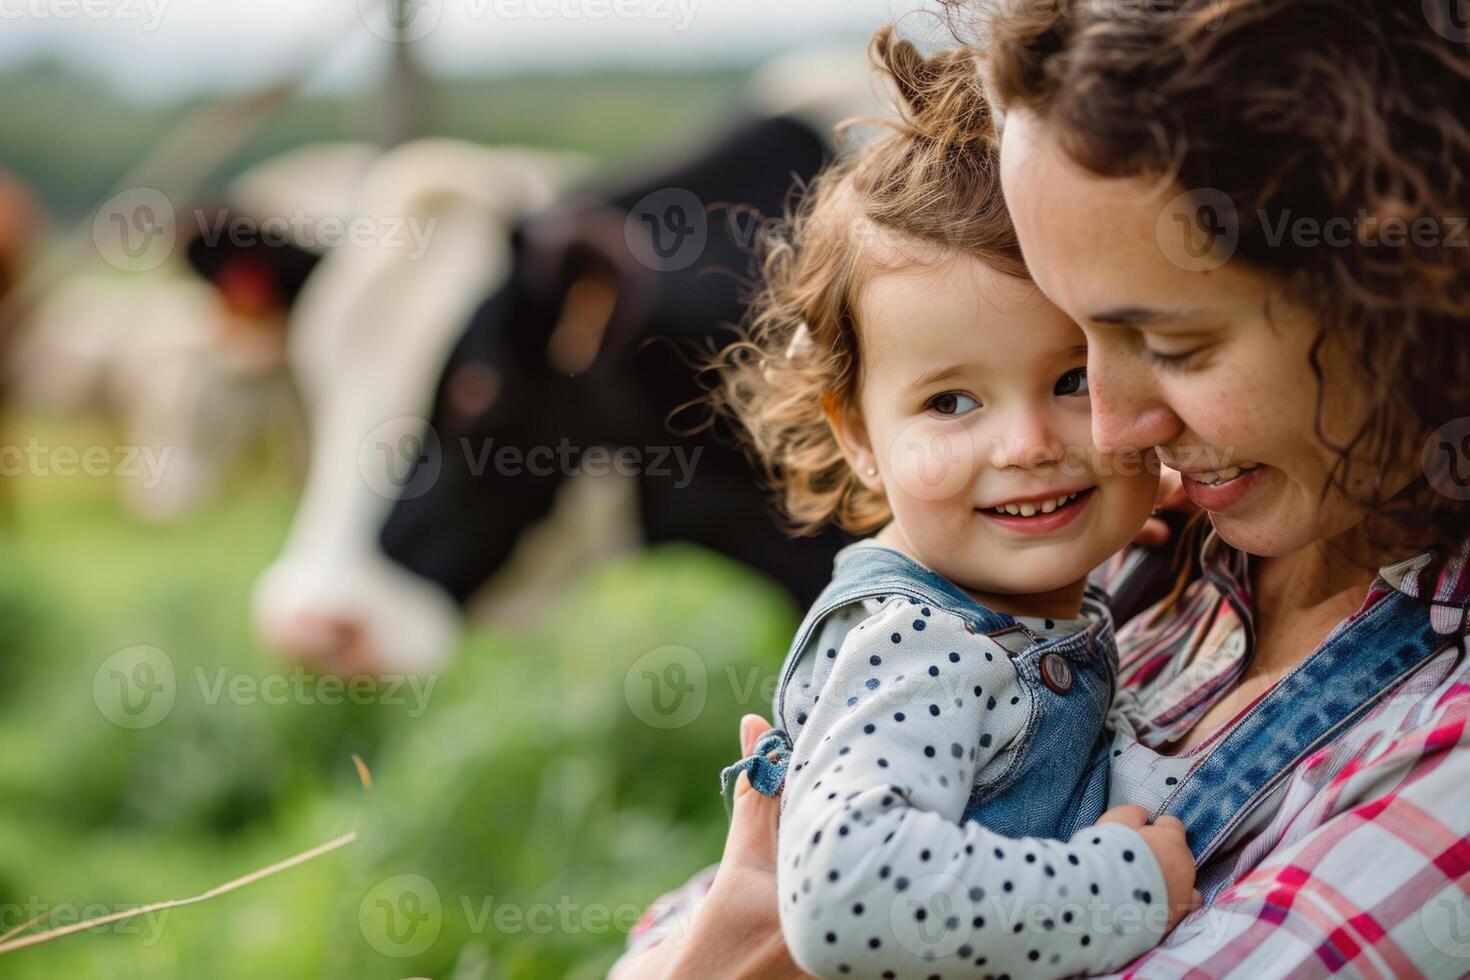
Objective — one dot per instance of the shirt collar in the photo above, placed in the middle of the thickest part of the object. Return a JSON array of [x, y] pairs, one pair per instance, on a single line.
[[1445, 585]]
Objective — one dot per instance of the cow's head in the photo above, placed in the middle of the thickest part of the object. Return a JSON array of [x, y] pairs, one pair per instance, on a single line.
[[370, 333], [529, 386]]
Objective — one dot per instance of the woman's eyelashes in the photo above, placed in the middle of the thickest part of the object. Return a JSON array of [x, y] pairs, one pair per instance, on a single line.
[[1074, 382], [1171, 361], [951, 403]]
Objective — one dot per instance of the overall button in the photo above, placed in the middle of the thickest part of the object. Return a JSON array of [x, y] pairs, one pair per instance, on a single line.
[[1056, 673]]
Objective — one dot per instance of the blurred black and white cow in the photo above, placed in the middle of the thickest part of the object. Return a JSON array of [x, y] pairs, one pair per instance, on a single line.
[[539, 332]]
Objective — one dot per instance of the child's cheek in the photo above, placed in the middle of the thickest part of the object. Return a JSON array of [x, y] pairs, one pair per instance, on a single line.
[[933, 461]]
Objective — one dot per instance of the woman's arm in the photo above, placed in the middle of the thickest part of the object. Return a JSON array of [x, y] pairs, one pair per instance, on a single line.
[[733, 931], [878, 871]]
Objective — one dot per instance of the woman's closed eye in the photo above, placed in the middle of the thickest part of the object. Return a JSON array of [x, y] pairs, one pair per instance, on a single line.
[[952, 403], [1074, 382], [1170, 360]]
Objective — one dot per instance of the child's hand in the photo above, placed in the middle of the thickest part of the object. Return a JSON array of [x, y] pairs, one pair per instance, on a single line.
[[1165, 837]]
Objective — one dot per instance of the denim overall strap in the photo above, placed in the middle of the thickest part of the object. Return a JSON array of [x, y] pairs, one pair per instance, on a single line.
[[1357, 665], [765, 767], [869, 572], [875, 571], [859, 573]]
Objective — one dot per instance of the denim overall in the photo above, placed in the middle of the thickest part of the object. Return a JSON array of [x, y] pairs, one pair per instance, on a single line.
[[1359, 664], [1056, 779]]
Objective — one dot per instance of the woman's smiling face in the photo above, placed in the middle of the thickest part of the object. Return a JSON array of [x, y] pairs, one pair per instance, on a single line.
[[1208, 365]]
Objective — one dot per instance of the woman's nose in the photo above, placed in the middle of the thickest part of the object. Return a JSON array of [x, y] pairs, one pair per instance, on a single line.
[[1129, 413]]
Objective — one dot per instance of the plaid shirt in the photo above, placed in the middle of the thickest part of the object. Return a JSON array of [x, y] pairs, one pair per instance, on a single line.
[[1363, 866]]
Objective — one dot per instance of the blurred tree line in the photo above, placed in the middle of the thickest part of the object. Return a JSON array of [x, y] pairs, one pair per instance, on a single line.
[[72, 136]]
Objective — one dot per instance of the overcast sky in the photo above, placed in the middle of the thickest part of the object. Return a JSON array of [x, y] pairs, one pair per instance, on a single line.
[[164, 47]]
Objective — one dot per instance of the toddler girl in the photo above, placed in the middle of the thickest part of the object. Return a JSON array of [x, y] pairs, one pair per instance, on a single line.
[[940, 713]]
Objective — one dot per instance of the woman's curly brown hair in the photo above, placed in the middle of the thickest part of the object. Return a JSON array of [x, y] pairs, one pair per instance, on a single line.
[[932, 181], [1317, 109]]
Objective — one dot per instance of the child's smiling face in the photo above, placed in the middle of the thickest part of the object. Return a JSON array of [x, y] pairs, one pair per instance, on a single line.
[[973, 409]]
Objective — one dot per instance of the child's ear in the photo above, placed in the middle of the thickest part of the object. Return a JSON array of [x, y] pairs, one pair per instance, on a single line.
[[852, 437]]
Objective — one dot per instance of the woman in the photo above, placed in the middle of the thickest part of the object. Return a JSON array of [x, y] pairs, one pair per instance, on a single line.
[[1254, 209]]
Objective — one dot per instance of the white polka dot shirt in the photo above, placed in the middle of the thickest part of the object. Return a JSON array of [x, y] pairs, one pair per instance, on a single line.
[[879, 876]]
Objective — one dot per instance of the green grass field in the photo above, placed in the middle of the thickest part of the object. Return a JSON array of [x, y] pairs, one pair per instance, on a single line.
[[524, 809]]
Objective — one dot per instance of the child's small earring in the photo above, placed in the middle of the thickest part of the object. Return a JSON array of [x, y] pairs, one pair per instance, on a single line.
[[872, 471]]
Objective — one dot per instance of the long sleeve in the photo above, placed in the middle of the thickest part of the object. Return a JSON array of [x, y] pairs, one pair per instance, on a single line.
[[878, 874]]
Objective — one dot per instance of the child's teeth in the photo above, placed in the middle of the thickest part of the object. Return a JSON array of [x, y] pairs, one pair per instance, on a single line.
[[1031, 509]]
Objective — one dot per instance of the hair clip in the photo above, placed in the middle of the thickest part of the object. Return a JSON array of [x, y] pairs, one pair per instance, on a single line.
[[801, 341]]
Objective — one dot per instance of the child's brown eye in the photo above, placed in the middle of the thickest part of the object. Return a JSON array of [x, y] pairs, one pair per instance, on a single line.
[[952, 403]]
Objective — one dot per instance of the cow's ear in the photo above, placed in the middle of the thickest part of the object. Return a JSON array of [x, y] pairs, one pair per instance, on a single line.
[[587, 308], [251, 267]]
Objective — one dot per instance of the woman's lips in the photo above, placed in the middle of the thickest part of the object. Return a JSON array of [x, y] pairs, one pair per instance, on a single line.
[[1040, 523], [1224, 494]]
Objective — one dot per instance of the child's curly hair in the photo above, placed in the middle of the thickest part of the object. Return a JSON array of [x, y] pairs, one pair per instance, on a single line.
[[933, 181]]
